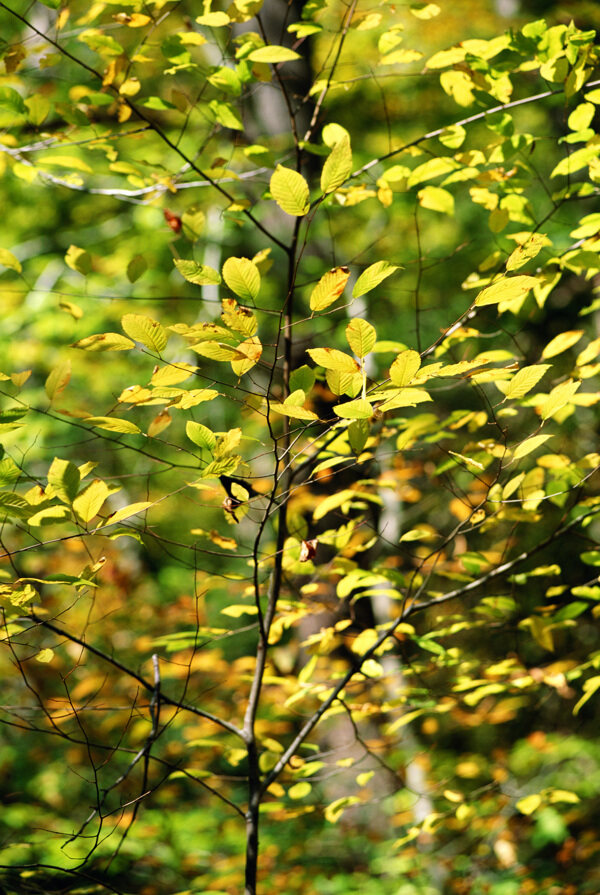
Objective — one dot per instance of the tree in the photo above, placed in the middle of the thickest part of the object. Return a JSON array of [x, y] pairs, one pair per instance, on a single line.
[[252, 588]]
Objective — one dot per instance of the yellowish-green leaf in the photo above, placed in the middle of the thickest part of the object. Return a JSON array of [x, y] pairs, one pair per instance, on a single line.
[[66, 161], [329, 288], [273, 54], [526, 251], [523, 381], [113, 424], [335, 809], [78, 259], [216, 351], [581, 158], [8, 260], [214, 19], [105, 342], [360, 409], [332, 359], [63, 479], [200, 274], [591, 686], [361, 336], [558, 398], [145, 330], [172, 374], [425, 10], [337, 167], [562, 342], [405, 367], [530, 803], [506, 289], [405, 397], [526, 447], [242, 277], [300, 790], [238, 318], [201, 435], [372, 277], [45, 655], [89, 502], [293, 411], [437, 199], [58, 379], [126, 512], [290, 191], [136, 267]]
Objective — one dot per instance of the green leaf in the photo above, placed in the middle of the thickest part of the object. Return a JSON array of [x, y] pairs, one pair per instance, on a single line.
[[226, 115], [136, 267], [8, 260], [506, 289], [242, 277], [200, 274], [104, 342], [113, 424], [145, 330], [372, 277], [201, 435], [358, 434], [12, 100], [329, 288], [527, 250], [338, 166], [273, 54], [290, 191], [361, 336], [558, 398], [303, 377]]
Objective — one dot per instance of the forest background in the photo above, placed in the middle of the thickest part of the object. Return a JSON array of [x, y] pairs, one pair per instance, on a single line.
[[299, 495]]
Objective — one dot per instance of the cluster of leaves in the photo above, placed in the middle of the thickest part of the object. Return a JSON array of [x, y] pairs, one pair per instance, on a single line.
[[385, 616]]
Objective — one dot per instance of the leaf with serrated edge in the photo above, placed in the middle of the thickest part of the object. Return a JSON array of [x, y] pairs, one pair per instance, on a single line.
[[523, 381], [558, 397], [329, 288], [290, 191], [405, 367], [113, 424], [200, 274], [145, 330], [338, 166], [273, 54], [242, 277], [200, 435], [372, 277], [361, 336], [332, 359], [104, 342], [505, 290]]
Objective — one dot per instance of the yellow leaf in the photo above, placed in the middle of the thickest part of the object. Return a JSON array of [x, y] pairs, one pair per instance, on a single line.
[[562, 342], [527, 250], [7, 259], [329, 288], [290, 191], [300, 790], [405, 367], [361, 336], [171, 374], [113, 424], [145, 330], [526, 447], [372, 276], [159, 423], [105, 342], [251, 350], [436, 199], [523, 381], [89, 502], [506, 289], [242, 277], [238, 318], [558, 397], [360, 409], [126, 512], [332, 359], [338, 166], [273, 54]]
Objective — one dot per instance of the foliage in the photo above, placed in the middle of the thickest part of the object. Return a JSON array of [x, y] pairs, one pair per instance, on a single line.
[[299, 494]]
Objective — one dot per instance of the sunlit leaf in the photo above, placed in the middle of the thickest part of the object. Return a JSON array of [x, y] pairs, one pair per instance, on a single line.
[[290, 191], [329, 288], [361, 336], [337, 167], [372, 277]]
